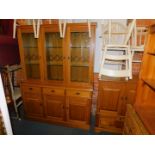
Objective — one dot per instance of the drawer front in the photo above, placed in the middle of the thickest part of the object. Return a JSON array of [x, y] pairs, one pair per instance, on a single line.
[[29, 92], [110, 122], [107, 121], [79, 93], [31, 89], [54, 91]]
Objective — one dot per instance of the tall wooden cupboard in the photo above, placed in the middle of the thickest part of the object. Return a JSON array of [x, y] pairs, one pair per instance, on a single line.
[[57, 80], [145, 98]]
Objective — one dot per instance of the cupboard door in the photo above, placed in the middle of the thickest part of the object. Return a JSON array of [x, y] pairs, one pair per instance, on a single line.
[[33, 107], [130, 93], [80, 56], [54, 107], [53, 54], [78, 110], [111, 96], [33, 103], [30, 54]]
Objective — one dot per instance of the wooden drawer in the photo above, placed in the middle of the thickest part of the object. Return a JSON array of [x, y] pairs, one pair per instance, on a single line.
[[79, 93], [109, 119], [110, 124], [29, 92], [54, 91], [31, 89]]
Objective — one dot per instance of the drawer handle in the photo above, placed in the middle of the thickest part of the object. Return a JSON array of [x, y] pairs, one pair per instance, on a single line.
[[77, 93], [30, 88], [52, 91]]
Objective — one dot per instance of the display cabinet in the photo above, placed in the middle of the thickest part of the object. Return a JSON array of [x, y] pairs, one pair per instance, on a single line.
[[60, 73]]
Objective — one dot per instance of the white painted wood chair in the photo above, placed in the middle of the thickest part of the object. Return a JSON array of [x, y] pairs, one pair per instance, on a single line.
[[138, 41], [14, 92], [116, 51]]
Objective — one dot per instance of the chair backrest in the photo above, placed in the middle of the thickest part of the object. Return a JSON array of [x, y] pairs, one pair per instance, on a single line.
[[139, 36], [130, 29], [116, 33], [113, 33]]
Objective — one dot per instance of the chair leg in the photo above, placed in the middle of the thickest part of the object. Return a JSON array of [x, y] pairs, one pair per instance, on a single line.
[[102, 61]]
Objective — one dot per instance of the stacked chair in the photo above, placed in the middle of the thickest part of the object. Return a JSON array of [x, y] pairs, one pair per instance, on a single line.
[[116, 50]]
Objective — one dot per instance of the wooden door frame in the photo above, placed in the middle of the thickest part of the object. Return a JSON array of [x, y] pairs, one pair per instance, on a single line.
[[51, 28], [28, 29], [80, 28]]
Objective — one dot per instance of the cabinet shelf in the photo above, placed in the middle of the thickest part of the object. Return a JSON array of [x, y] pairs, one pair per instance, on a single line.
[[53, 47], [150, 82], [55, 63], [79, 47], [32, 63], [79, 65], [30, 47]]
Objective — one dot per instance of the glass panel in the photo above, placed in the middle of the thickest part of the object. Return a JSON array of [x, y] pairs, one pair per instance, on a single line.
[[31, 56], [80, 56], [54, 56]]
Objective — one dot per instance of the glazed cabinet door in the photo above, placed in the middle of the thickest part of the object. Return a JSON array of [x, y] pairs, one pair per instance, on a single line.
[[80, 55], [33, 103], [54, 101], [54, 59], [30, 54]]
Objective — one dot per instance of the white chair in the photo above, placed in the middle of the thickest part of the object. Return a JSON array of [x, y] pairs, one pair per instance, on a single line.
[[138, 41], [13, 94], [121, 54]]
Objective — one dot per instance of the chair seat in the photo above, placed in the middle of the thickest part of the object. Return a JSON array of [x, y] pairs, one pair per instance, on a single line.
[[17, 93], [115, 73], [116, 57], [138, 48]]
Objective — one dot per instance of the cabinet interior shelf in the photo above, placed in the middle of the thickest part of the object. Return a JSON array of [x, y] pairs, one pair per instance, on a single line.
[[150, 82], [30, 47], [53, 47], [55, 64], [79, 65], [32, 63], [79, 47]]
